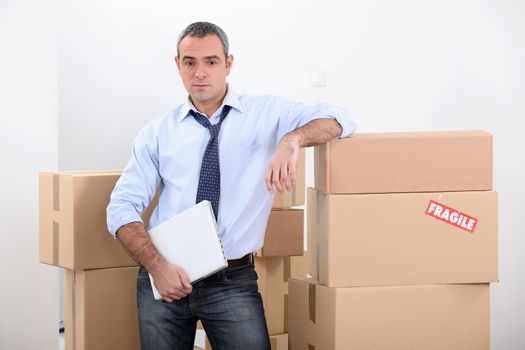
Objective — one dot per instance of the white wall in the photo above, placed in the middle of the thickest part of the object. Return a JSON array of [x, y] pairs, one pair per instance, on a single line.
[[404, 65], [29, 143]]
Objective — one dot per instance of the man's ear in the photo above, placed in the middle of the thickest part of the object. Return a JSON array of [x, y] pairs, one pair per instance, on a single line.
[[229, 63], [177, 61]]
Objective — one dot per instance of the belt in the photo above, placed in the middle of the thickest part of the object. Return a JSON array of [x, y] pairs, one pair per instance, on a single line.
[[245, 260]]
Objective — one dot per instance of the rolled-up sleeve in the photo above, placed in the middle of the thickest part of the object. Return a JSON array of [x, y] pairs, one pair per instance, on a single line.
[[137, 186], [295, 115]]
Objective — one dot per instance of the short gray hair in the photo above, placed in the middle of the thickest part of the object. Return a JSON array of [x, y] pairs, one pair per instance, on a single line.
[[202, 29]]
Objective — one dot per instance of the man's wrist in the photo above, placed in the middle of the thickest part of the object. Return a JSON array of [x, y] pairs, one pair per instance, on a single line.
[[291, 141], [156, 264]]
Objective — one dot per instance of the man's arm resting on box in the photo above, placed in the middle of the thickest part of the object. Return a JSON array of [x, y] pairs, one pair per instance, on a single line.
[[170, 280], [282, 167]]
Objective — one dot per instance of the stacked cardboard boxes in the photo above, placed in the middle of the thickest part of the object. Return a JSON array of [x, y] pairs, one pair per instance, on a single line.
[[402, 244], [73, 230], [273, 273], [100, 309], [100, 278]]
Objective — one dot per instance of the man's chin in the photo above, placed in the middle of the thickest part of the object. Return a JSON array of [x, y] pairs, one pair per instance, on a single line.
[[199, 97], [201, 89], [199, 92]]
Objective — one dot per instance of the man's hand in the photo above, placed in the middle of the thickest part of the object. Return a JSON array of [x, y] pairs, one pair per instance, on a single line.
[[281, 171], [282, 167], [171, 282]]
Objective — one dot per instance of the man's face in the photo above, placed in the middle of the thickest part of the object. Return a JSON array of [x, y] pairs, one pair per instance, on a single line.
[[203, 68]]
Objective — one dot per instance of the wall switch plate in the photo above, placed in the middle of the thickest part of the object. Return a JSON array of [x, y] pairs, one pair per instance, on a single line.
[[319, 77]]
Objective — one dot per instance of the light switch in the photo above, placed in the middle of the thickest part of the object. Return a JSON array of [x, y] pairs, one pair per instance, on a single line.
[[319, 77]]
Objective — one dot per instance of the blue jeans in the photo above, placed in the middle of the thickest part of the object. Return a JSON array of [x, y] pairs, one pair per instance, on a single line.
[[228, 304]]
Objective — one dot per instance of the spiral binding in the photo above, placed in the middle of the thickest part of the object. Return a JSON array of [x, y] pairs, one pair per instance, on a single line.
[[216, 225]]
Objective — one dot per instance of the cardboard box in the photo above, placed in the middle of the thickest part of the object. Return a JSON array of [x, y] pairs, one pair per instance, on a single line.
[[388, 239], [454, 316], [296, 196], [73, 230], [273, 273], [100, 309], [277, 342], [284, 233], [405, 162]]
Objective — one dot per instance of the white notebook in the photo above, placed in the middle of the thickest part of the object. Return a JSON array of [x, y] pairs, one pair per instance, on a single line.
[[190, 240]]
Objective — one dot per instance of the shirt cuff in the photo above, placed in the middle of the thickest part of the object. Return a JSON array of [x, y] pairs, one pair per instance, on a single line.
[[123, 220]]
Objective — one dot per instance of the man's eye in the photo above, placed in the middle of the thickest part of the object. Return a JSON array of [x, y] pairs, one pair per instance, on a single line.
[[188, 63], [212, 62]]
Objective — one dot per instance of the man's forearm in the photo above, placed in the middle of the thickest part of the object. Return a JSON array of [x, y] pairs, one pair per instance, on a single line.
[[316, 132], [135, 240]]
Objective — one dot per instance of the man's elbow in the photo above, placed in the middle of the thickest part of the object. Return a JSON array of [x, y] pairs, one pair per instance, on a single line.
[[350, 126], [337, 129]]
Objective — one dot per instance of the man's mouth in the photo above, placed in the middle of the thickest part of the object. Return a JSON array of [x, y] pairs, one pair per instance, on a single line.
[[200, 84]]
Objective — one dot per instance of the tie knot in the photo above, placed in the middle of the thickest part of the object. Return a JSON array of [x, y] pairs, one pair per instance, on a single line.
[[214, 129]]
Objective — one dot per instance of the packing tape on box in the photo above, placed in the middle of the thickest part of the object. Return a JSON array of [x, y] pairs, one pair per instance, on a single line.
[[73, 331], [285, 313], [56, 192], [56, 226], [317, 261], [273, 343], [317, 210], [311, 301], [287, 269], [56, 229]]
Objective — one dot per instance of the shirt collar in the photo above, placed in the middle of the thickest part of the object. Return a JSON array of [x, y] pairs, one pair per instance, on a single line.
[[231, 99]]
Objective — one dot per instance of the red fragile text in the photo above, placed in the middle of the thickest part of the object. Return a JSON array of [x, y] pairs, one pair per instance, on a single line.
[[451, 216]]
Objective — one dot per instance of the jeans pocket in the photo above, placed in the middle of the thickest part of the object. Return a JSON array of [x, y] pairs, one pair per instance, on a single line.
[[241, 275]]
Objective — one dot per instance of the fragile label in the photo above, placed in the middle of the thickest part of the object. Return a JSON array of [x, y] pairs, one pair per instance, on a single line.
[[451, 216]]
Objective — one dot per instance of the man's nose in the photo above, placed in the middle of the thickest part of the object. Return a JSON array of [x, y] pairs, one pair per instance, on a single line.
[[200, 71]]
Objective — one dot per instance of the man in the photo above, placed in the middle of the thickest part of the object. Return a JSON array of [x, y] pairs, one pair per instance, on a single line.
[[233, 150]]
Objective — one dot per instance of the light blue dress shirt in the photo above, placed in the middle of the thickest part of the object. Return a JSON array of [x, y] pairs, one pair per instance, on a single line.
[[168, 153]]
